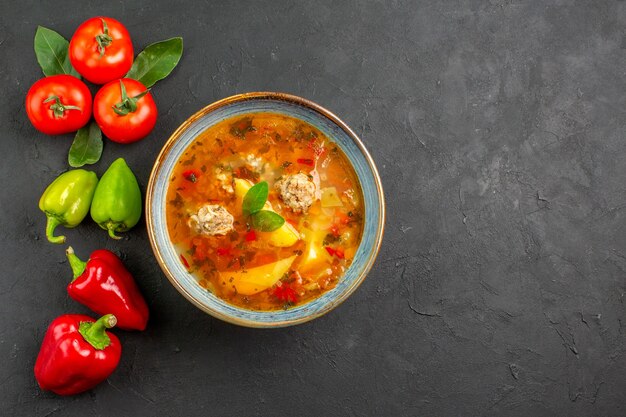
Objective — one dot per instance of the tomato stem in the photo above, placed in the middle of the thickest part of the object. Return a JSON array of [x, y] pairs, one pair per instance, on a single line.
[[128, 104], [58, 108], [104, 39]]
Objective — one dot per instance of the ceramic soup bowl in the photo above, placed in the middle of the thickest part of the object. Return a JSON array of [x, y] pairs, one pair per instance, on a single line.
[[338, 132]]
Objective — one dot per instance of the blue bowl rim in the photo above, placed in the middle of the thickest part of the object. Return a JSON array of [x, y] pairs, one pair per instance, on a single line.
[[274, 96]]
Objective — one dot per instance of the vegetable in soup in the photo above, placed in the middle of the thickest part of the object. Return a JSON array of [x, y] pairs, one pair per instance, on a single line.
[[265, 210]]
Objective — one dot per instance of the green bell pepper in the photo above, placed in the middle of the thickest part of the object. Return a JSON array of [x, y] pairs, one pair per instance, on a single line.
[[66, 200], [116, 205]]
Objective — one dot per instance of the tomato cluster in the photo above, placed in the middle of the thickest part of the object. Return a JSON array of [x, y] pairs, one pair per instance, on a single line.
[[102, 52]]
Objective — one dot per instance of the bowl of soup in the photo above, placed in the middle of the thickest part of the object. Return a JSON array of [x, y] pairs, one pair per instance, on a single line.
[[265, 210]]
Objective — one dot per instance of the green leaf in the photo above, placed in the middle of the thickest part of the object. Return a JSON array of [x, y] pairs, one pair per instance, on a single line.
[[255, 198], [266, 221], [51, 52], [87, 146], [156, 61]]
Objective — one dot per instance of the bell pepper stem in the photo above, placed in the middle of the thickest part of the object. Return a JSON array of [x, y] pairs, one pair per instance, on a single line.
[[95, 333], [51, 224], [78, 266], [111, 228]]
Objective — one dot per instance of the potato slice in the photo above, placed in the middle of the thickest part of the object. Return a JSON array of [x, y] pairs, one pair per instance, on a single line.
[[283, 237], [330, 198], [314, 256], [241, 188], [257, 279]]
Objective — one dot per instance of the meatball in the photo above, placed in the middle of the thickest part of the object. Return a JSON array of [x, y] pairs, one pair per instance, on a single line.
[[297, 191], [211, 220]]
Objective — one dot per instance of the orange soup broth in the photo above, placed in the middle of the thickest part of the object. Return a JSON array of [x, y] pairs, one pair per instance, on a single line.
[[265, 147]]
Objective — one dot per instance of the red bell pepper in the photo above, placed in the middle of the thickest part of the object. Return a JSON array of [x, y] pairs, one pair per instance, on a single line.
[[191, 175], [306, 161], [104, 285], [339, 253], [286, 293], [77, 354], [223, 252], [250, 236]]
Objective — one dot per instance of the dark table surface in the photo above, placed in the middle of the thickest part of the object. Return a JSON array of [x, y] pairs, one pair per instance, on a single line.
[[498, 128]]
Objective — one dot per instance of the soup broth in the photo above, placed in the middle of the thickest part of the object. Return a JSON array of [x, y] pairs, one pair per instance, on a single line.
[[312, 186]]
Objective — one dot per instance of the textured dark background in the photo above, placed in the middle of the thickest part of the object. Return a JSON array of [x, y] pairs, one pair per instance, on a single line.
[[498, 128]]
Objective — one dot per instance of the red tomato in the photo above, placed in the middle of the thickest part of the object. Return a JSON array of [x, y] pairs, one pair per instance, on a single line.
[[101, 50], [58, 104], [124, 110]]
